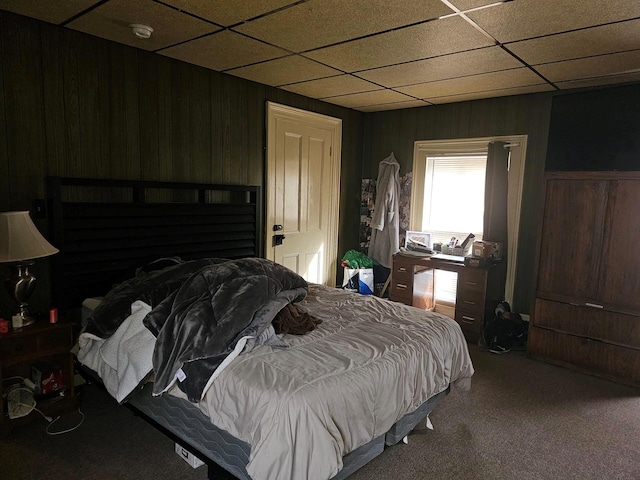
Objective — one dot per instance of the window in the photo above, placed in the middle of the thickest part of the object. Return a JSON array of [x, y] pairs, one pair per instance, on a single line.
[[431, 160], [453, 206], [453, 202]]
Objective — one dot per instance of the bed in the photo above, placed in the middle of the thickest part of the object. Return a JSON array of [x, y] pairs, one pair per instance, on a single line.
[[318, 405]]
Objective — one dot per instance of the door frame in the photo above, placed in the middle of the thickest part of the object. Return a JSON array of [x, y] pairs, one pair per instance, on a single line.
[[277, 111]]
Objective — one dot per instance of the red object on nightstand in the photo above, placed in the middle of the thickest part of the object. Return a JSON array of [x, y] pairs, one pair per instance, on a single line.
[[4, 326]]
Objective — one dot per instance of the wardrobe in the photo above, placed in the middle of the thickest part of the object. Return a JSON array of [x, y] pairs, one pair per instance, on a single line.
[[586, 312]]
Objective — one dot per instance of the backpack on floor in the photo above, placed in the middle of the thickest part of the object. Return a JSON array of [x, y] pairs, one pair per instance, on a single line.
[[504, 331]]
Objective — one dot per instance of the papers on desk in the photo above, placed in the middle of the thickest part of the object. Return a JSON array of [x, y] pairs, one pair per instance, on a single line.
[[413, 253], [448, 258]]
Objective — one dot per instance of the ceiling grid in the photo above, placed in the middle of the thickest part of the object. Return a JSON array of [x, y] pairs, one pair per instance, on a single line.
[[374, 55]]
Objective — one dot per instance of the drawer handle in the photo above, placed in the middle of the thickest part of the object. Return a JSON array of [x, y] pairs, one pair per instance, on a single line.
[[466, 319], [471, 283], [402, 269], [593, 305], [401, 286], [469, 302]]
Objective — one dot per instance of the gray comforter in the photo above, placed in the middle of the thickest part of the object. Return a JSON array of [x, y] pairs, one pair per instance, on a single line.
[[368, 364]]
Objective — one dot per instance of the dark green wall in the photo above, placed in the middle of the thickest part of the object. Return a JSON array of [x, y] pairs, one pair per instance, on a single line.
[[525, 114], [79, 106]]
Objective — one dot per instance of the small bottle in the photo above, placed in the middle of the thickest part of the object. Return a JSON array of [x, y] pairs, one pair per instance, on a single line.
[[53, 315]]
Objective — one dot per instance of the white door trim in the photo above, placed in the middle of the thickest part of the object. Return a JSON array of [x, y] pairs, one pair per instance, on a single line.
[[275, 111]]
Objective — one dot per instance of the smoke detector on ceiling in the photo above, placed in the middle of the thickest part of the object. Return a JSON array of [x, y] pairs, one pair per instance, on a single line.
[[140, 30]]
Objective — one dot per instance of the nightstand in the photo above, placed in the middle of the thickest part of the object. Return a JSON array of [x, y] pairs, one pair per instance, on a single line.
[[40, 342]]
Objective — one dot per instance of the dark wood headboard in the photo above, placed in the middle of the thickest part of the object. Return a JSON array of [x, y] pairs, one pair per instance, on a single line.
[[106, 229]]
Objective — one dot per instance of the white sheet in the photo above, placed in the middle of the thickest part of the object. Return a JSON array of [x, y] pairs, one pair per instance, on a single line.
[[124, 359]]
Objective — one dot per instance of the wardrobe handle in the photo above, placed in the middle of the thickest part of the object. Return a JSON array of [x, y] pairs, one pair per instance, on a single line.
[[593, 305], [401, 286]]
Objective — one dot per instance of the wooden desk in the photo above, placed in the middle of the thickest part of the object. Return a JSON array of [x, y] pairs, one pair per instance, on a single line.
[[478, 291]]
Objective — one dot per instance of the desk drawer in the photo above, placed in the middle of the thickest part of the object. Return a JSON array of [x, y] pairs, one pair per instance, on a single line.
[[402, 272], [470, 301], [472, 281], [401, 292], [470, 322]]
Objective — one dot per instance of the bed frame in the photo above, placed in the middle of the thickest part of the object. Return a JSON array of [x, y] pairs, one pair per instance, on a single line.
[[105, 229]]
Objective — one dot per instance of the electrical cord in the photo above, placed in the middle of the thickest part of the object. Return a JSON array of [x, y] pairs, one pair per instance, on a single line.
[[68, 429], [32, 406]]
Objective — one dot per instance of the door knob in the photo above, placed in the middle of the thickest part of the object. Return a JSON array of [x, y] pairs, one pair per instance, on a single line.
[[277, 228]]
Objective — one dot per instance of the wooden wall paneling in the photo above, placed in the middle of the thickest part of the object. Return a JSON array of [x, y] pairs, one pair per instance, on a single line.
[[222, 131], [240, 122], [200, 125], [132, 111], [180, 155], [93, 158], [5, 177], [165, 117], [150, 168], [22, 69], [122, 132], [533, 114], [256, 135], [54, 100]]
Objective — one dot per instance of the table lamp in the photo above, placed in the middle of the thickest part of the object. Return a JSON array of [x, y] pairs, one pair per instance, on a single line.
[[21, 242]]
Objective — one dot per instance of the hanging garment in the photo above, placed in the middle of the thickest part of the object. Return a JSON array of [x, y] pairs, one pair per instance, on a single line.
[[385, 220]]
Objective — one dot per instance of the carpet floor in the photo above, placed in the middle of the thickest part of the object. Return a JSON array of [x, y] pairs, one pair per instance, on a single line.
[[522, 419]]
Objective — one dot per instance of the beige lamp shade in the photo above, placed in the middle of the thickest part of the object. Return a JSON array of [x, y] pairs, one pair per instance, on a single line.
[[20, 239]]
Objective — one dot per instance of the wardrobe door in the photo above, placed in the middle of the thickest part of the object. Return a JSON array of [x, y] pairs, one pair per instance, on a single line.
[[572, 239], [620, 269]]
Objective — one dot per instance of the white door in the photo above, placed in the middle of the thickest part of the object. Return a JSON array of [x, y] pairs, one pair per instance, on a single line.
[[303, 187]]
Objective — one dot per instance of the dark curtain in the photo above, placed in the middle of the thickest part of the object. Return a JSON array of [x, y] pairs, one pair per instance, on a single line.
[[495, 194], [495, 202]]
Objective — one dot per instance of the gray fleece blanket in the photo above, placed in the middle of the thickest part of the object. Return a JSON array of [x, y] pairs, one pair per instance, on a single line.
[[199, 324], [201, 310]]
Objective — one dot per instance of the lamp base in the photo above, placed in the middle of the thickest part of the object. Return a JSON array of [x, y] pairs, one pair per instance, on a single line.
[[20, 286]]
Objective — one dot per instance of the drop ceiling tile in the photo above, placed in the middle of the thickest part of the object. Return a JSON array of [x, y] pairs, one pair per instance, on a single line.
[[522, 19], [223, 50], [597, 81], [519, 77], [318, 23], [462, 64], [617, 37], [228, 12], [111, 20], [411, 43], [378, 97], [469, 4], [282, 71], [393, 106], [332, 86], [63, 11], [491, 94], [616, 63]]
